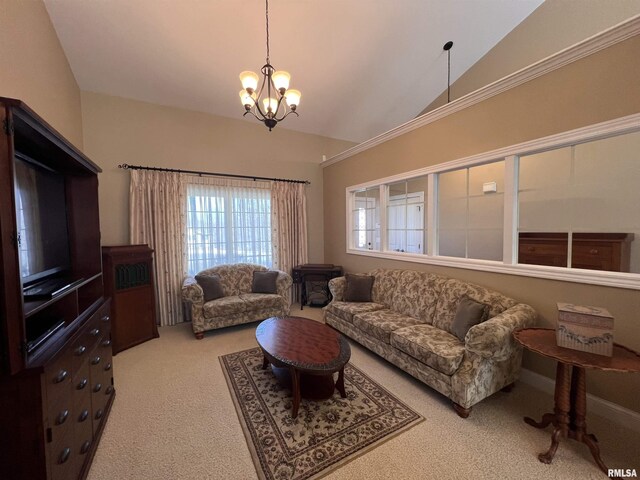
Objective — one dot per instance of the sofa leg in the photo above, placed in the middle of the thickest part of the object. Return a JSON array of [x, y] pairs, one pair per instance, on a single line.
[[461, 411], [199, 335], [508, 388]]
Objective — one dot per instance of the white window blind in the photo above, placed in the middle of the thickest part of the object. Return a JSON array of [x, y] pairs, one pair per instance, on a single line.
[[227, 222]]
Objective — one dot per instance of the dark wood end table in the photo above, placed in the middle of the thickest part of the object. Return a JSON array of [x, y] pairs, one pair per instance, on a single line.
[[569, 417], [311, 352]]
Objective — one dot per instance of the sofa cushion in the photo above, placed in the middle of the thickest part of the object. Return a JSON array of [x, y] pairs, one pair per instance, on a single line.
[[381, 323], [256, 301], [264, 282], [236, 278], [417, 294], [224, 306], [358, 288], [211, 286], [468, 314], [431, 346], [346, 310], [452, 292], [385, 286]]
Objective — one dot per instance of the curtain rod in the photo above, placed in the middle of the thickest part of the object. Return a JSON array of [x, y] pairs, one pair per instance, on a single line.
[[126, 166]]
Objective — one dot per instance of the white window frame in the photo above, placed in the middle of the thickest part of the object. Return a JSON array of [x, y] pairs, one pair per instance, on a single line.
[[510, 155]]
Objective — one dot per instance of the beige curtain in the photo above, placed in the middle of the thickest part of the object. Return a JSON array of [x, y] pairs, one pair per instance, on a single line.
[[156, 217], [289, 224]]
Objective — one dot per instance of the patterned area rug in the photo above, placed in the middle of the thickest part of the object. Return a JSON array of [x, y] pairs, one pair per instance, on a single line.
[[326, 433]]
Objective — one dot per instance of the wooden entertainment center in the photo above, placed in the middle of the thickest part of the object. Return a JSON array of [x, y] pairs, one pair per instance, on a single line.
[[56, 375]]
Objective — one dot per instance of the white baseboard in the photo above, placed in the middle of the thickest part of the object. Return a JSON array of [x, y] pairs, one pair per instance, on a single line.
[[604, 408]]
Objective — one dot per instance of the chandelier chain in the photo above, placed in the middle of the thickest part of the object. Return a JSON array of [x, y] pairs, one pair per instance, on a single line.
[[267, 15]]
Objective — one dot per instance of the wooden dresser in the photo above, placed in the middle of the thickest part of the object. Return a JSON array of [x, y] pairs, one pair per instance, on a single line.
[[56, 375], [593, 251], [128, 280]]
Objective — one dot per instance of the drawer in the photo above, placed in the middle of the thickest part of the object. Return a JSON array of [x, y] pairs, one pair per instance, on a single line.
[[599, 257], [63, 459], [60, 418], [58, 378]]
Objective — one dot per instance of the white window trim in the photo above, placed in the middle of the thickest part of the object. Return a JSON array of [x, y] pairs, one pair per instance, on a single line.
[[510, 155]]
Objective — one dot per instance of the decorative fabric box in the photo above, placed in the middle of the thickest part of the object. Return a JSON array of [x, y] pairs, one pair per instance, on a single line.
[[589, 329]]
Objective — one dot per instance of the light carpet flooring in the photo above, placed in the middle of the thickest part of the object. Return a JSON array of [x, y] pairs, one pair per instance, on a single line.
[[173, 418]]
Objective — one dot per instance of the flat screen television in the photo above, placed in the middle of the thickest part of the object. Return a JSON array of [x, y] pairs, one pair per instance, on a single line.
[[41, 212]]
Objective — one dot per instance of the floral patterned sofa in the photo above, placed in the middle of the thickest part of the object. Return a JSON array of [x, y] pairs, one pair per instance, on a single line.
[[239, 304], [408, 322]]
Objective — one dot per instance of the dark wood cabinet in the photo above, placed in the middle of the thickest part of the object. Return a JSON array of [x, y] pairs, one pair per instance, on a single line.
[[129, 281], [593, 251], [56, 375]]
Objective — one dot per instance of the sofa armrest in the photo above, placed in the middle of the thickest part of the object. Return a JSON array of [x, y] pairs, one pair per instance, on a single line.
[[191, 291], [493, 339], [336, 287], [283, 284]]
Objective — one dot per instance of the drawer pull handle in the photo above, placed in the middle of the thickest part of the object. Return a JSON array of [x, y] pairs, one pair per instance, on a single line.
[[106, 343], [85, 447], [106, 318], [82, 384], [99, 414], [83, 416], [95, 332], [62, 417], [64, 455], [109, 390], [593, 251], [95, 360], [107, 367], [80, 350], [97, 388], [62, 374]]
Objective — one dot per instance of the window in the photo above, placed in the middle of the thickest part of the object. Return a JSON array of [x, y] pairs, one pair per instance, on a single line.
[[563, 207], [406, 216], [227, 224], [585, 209], [471, 212], [366, 219]]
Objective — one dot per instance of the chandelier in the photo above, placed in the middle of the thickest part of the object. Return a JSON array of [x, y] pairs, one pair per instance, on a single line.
[[277, 99]]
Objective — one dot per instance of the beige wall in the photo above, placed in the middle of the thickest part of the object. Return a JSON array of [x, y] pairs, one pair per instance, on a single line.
[[118, 130], [35, 68], [597, 88], [553, 26]]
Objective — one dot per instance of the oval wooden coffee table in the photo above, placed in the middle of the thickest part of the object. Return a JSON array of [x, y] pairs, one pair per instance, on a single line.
[[311, 352]]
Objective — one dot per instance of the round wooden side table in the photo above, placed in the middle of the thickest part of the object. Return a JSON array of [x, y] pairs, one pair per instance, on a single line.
[[569, 417]]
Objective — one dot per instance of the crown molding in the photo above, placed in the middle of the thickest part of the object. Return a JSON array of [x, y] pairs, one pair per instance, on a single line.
[[616, 34]]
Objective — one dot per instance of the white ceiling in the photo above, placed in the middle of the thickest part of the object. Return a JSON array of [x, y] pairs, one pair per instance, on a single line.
[[363, 66]]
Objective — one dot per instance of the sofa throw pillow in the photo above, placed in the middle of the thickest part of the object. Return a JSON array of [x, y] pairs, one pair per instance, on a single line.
[[358, 288], [468, 314], [211, 286], [264, 282]]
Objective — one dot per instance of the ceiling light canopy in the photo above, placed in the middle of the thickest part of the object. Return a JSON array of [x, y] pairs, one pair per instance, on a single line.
[[277, 100]]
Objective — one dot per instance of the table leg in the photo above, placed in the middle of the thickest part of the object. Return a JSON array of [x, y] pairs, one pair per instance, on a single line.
[[265, 362], [295, 390], [340, 383], [561, 409], [579, 414]]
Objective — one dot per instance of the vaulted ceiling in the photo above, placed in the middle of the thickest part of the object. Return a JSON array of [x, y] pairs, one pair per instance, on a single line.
[[363, 66]]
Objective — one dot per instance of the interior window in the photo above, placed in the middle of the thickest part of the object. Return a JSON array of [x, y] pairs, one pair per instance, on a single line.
[[471, 212], [366, 219], [406, 216], [578, 206]]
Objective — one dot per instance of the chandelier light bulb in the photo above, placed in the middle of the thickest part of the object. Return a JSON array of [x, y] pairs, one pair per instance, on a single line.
[[281, 80], [249, 81], [270, 105], [247, 100], [293, 98]]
